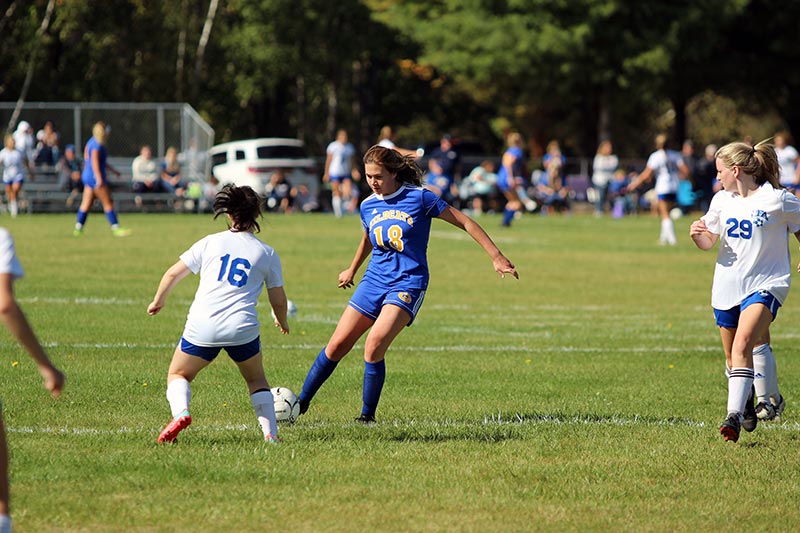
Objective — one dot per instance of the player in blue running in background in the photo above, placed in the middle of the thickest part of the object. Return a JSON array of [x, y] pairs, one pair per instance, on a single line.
[[396, 221], [751, 219], [512, 169], [95, 182], [234, 267]]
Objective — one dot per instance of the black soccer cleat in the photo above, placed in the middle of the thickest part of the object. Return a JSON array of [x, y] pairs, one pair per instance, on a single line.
[[750, 420], [366, 419], [303, 406], [730, 428]]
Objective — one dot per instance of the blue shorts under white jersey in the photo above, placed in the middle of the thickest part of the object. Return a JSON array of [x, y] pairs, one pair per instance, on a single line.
[[369, 298], [729, 318], [399, 226]]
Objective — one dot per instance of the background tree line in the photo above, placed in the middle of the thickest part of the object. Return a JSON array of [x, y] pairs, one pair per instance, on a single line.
[[575, 70]]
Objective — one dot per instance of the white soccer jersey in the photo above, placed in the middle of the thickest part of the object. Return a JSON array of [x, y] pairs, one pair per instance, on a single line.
[[665, 165], [341, 159], [13, 164], [233, 267], [787, 159], [753, 249], [9, 263]]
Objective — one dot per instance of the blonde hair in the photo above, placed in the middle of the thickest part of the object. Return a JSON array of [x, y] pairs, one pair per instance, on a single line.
[[99, 132], [514, 139], [759, 161], [661, 141], [8, 140]]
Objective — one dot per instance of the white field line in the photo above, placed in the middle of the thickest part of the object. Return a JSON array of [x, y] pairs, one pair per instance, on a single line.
[[494, 420], [435, 349]]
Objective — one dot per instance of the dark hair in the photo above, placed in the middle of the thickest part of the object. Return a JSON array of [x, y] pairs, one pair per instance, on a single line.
[[759, 161], [404, 167], [242, 204]]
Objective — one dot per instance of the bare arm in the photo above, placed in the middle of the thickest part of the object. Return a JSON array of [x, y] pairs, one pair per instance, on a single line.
[[279, 303], [646, 174], [703, 239], [364, 249], [16, 322], [171, 277], [501, 264]]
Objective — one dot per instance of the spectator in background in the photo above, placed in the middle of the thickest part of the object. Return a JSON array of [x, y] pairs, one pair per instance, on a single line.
[[477, 189], [689, 158], [69, 174], [47, 151], [665, 166], [171, 173], [17, 324], [448, 159], [553, 192], [15, 166], [304, 200], [439, 183], [621, 202], [603, 168], [788, 159], [145, 172], [279, 193], [341, 168], [512, 170], [705, 177], [386, 139], [25, 142]]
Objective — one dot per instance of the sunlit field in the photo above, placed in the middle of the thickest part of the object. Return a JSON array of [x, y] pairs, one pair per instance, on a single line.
[[584, 396]]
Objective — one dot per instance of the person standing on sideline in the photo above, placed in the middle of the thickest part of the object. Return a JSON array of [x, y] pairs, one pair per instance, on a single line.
[[340, 171], [512, 168], [752, 220], [396, 221], [15, 165], [789, 161], [15, 322], [234, 267], [95, 183], [603, 168], [386, 139], [666, 166]]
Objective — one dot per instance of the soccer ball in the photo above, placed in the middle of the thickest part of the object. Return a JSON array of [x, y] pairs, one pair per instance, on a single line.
[[287, 407]]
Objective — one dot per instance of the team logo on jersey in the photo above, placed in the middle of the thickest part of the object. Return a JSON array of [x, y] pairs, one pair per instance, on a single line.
[[374, 212], [404, 296], [759, 217]]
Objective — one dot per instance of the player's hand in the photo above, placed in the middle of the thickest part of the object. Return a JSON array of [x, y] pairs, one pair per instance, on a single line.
[[154, 308], [53, 379], [283, 326], [698, 227], [346, 279], [503, 266]]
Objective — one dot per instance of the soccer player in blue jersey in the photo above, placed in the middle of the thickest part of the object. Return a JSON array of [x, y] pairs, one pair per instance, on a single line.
[[512, 168], [95, 182], [234, 268], [396, 220]]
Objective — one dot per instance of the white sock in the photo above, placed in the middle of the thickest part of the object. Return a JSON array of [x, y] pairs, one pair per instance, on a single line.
[[179, 392], [264, 406], [739, 385], [668, 231], [772, 375], [337, 205], [13, 208], [5, 523], [766, 373]]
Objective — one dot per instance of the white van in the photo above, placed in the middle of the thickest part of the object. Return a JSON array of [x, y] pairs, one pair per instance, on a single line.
[[253, 161]]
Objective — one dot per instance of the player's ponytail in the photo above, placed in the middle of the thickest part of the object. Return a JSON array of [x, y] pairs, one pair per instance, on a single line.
[[759, 161], [404, 167], [242, 204]]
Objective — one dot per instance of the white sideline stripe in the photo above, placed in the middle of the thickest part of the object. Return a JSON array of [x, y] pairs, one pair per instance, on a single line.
[[436, 349], [488, 421]]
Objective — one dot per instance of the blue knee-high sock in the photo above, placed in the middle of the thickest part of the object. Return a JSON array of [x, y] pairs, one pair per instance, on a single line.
[[374, 376], [508, 216], [81, 219], [112, 217], [317, 374]]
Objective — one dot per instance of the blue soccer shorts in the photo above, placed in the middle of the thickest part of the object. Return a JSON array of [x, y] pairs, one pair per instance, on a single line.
[[239, 353], [368, 299], [730, 317]]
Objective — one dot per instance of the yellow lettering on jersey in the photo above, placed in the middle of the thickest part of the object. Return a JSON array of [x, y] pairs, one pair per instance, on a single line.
[[391, 214]]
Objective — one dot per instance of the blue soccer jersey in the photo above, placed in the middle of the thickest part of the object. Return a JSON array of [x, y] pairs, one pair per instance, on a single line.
[[88, 176], [399, 226]]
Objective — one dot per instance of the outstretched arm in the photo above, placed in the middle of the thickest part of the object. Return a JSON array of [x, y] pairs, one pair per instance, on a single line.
[[364, 249], [171, 277], [501, 263], [14, 319]]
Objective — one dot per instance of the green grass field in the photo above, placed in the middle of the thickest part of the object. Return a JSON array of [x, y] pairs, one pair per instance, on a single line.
[[585, 396]]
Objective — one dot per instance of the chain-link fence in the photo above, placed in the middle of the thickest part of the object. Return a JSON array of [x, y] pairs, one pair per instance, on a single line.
[[132, 126]]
